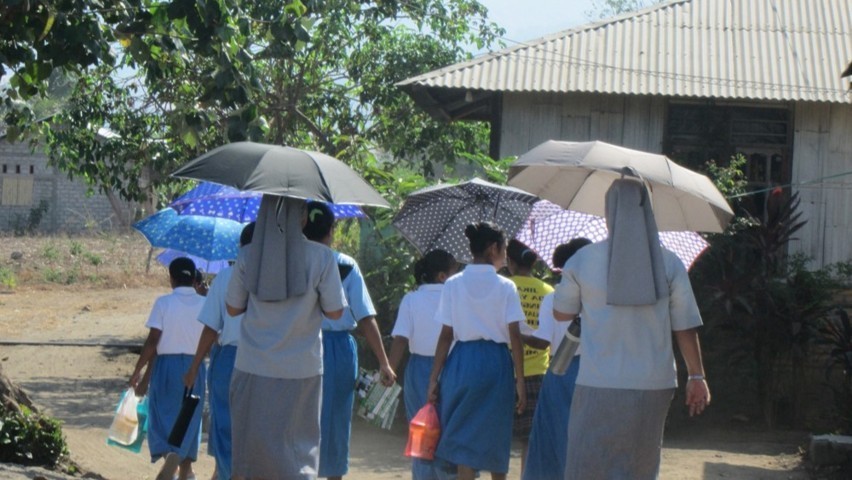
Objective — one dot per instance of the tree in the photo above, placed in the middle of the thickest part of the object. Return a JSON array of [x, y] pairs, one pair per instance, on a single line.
[[609, 8], [313, 74]]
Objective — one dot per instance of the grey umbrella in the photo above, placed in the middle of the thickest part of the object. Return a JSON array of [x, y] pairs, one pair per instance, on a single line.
[[436, 216], [282, 171], [576, 176]]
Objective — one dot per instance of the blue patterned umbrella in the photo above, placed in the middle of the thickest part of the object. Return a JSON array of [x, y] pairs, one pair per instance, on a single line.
[[210, 238], [214, 200]]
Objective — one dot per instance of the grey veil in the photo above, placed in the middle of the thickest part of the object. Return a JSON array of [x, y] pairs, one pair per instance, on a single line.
[[275, 259], [636, 274]]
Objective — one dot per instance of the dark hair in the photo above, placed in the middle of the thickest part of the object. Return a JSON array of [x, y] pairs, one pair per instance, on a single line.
[[482, 235], [182, 271], [199, 276], [566, 250], [521, 254], [320, 220], [247, 234], [426, 269]]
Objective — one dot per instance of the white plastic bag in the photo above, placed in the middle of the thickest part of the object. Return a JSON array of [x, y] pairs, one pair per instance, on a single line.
[[125, 424]]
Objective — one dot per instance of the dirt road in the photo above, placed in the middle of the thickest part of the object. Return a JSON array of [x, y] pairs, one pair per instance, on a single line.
[[81, 384]]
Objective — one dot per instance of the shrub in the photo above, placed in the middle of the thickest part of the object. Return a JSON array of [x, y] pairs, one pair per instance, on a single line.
[[28, 438], [23, 226], [53, 275], [94, 259], [76, 248], [50, 252], [8, 278], [835, 331]]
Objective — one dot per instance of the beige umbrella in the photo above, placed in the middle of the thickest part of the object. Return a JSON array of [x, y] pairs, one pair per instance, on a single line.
[[576, 176]]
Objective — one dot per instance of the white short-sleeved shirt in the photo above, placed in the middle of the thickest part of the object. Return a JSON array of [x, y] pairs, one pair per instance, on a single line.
[[625, 346], [357, 296], [549, 328], [215, 315], [282, 339], [416, 319], [479, 304], [174, 315]]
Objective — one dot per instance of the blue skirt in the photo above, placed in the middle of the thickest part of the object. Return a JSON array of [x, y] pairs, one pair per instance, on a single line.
[[414, 391], [416, 384], [221, 369], [549, 438], [165, 396], [340, 370], [477, 397]]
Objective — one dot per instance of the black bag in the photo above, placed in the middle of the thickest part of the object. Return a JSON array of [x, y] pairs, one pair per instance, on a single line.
[[187, 410]]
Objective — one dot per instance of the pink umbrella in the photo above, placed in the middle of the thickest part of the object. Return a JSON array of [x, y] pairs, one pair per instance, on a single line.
[[548, 225]]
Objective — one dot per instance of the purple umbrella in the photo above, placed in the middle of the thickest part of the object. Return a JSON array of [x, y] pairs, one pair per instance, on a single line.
[[548, 225], [214, 200]]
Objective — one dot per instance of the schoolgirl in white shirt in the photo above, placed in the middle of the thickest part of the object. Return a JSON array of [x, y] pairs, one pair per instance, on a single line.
[[481, 312], [417, 329]]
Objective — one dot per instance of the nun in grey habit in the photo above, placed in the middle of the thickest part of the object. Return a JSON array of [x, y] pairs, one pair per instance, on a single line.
[[632, 295], [284, 283]]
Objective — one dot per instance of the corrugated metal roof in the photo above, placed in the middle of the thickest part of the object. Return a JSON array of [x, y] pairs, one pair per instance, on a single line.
[[743, 49]]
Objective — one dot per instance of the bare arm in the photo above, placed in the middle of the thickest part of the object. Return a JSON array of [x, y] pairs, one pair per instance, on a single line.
[[208, 336], [518, 360], [234, 311], [398, 347], [370, 330], [697, 391], [149, 351], [334, 314], [445, 340], [562, 316]]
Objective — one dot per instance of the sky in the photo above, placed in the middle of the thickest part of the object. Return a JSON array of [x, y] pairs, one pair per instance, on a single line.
[[529, 20]]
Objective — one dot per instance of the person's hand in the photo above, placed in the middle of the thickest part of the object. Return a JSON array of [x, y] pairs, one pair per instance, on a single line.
[[388, 375], [432, 393], [521, 392], [697, 396], [140, 388], [189, 378], [134, 379]]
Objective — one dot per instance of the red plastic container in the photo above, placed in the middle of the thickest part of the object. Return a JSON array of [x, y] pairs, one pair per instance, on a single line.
[[423, 433]]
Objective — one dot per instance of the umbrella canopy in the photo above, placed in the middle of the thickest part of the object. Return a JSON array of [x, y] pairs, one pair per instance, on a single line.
[[284, 171], [215, 200], [576, 176], [436, 216], [209, 238], [549, 225], [207, 266]]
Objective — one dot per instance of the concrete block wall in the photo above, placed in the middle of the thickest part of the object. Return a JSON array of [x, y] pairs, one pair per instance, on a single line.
[[69, 207]]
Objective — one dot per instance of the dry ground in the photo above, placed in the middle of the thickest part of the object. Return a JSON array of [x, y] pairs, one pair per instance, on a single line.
[[108, 305]]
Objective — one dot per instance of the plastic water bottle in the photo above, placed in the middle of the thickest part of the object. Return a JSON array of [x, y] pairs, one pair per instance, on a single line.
[[567, 348]]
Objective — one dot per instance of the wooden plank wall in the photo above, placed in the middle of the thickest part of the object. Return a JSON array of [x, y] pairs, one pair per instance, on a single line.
[[628, 120], [822, 147]]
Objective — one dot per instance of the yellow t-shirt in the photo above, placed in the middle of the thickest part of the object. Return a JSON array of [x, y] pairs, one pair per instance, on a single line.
[[532, 290]]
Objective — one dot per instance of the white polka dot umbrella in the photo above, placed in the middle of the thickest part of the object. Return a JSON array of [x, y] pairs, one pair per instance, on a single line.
[[549, 225], [436, 216]]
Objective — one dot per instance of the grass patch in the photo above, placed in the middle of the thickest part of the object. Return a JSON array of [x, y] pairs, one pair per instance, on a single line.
[[50, 252], [102, 260], [8, 279]]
